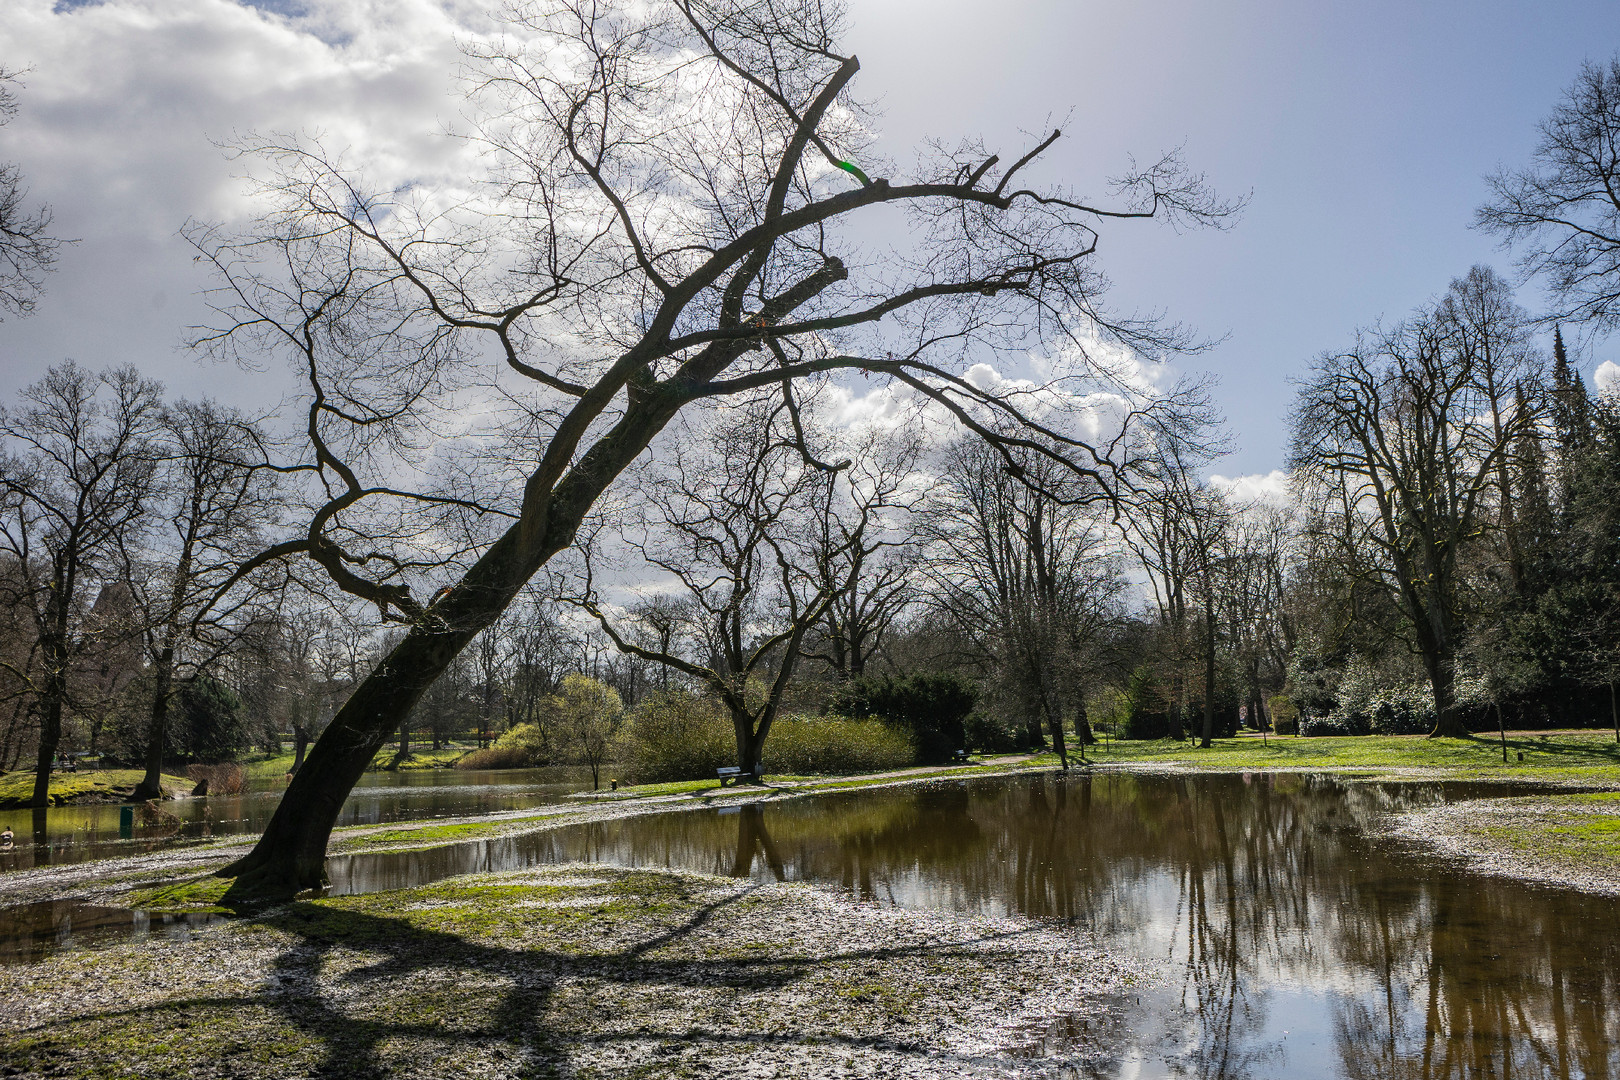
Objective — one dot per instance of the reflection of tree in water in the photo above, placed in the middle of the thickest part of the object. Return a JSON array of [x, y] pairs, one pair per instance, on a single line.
[[752, 838], [1455, 962], [1240, 882]]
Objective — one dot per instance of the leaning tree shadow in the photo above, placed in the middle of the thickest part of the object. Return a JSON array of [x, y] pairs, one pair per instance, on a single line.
[[519, 1019]]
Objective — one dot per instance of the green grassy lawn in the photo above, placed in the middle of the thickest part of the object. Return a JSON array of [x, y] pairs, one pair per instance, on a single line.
[[1582, 756], [262, 765], [17, 788]]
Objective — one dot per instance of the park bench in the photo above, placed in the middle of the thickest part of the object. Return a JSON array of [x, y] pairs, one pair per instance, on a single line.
[[959, 755], [732, 773]]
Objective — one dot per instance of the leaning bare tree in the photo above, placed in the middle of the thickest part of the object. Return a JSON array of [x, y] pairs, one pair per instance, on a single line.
[[672, 215]]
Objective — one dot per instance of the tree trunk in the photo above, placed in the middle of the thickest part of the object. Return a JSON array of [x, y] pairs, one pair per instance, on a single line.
[[1209, 669], [750, 744], [291, 854], [1442, 676], [1082, 723], [1614, 713], [50, 723], [300, 744], [157, 729]]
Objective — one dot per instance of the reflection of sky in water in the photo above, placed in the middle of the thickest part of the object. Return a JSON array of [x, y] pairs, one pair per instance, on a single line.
[[1293, 946]]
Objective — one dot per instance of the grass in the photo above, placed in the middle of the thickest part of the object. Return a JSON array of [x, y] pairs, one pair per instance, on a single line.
[[1586, 756], [272, 765], [544, 973], [92, 785], [1577, 834]]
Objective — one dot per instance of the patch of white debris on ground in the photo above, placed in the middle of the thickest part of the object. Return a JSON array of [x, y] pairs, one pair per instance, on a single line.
[[518, 975]]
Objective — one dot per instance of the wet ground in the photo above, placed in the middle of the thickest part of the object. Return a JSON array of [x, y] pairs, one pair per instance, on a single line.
[[1296, 941]]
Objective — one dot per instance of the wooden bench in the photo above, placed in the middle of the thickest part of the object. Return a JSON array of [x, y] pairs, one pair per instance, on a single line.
[[732, 773], [960, 755]]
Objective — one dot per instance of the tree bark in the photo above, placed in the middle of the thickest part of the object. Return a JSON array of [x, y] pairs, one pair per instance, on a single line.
[[1209, 669], [157, 728], [50, 720], [1442, 676], [300, 744]]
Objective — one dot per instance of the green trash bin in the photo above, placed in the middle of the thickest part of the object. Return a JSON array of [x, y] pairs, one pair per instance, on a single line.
[[126, 822]]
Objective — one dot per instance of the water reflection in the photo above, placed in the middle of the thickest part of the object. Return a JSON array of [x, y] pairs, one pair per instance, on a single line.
[[1299, 946], [70, 834], [30, 931]]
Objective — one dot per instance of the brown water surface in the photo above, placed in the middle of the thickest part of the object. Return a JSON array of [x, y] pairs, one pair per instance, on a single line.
[[1293, 942]]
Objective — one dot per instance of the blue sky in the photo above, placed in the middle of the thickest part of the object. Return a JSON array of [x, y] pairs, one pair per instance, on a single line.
[[1360, 132]]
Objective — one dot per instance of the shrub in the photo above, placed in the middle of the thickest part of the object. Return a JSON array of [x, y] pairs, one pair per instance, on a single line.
[[677, 736], [498, 757], [989, 734], [1284, 714], [932, 706], [836, 745], [206, 721], [522, 747], [222, 779], [1143, 717], [680, 736]]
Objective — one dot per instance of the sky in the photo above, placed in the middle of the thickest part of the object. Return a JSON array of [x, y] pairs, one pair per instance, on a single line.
[[1359, 133]]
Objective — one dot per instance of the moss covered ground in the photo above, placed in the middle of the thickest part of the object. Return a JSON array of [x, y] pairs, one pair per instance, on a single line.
[[565, 971], [85, 785], [1577, 757]]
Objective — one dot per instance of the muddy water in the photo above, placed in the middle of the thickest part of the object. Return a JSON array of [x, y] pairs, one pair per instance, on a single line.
[[1295, 945], [76, 833]]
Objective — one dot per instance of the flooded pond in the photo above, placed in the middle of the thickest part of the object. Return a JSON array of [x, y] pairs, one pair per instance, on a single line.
[[1295, 943], [69, 834]]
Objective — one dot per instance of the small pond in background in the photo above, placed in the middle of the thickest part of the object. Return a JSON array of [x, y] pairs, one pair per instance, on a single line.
[[69, 834]]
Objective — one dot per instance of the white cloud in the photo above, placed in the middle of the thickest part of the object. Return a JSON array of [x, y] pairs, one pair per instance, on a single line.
[[119, 121], [1270, 489], [1607, 377]]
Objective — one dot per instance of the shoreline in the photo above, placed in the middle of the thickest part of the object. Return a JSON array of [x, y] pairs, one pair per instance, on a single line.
[[1502, 836], [1533, 839]]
